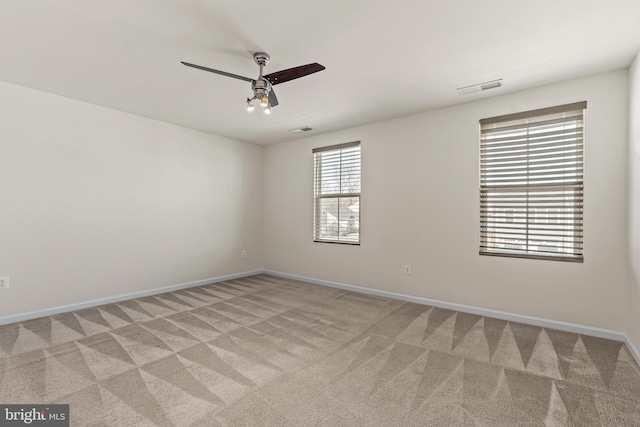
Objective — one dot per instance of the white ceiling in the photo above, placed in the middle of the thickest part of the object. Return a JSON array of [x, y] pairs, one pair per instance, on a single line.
[[383, 58]]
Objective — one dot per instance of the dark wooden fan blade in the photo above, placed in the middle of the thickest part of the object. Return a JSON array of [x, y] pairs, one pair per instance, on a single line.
[[273, 99], [223, 73], [293, 73]]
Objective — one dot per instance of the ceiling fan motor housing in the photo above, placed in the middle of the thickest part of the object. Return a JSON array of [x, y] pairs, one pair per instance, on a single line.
[[260, 87]]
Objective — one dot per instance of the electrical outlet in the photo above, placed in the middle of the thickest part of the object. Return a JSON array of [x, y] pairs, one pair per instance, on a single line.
[[244, 253], [4, 282], [407, 269]]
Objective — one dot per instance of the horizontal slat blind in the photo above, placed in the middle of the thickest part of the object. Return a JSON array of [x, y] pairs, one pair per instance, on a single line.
[[337, 193], [531, 184]]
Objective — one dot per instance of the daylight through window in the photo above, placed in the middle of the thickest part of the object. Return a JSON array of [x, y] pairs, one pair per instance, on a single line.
[[531, 184], [336, 192]]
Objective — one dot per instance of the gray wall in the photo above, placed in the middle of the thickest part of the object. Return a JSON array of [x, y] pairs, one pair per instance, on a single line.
[[633, 291], [420, 206], [97, 203]]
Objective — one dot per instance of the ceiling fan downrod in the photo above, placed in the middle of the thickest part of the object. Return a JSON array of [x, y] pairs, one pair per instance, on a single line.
[[261, 86]]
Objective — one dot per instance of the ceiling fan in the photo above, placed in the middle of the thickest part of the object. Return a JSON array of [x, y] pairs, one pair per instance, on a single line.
[[262, 87]]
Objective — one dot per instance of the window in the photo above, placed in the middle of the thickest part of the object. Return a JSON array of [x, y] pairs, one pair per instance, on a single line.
[[531, 184], [336, 203]]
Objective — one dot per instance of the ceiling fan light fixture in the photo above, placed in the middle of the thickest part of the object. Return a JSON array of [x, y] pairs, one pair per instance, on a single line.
[[267, 109], [264, 102], [249, 105]]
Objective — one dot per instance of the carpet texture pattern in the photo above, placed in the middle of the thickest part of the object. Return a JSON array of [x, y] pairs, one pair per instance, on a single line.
[[268, 351]]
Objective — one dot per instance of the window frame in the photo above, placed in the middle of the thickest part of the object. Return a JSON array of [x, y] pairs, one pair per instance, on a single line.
[[538, 189], [318, 196]]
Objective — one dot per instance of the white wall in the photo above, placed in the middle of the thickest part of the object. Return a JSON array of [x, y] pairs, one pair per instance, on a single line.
[[633, 292], [420, 206], [96, 203]]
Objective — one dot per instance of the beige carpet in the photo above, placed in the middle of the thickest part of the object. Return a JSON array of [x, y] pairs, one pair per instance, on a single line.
[[267, 351]]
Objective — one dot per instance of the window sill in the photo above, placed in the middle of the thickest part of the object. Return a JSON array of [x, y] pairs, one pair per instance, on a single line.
[[538, 257]]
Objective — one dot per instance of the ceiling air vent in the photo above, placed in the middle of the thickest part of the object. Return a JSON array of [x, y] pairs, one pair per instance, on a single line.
[[479, 87], [302, 129]]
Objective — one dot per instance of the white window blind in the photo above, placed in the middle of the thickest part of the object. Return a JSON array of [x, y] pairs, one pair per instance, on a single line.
[[336, 171], [531, 184]]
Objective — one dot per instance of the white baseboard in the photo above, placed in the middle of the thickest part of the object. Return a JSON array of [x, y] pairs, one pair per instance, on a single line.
[[109, 300], [530, 320]]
